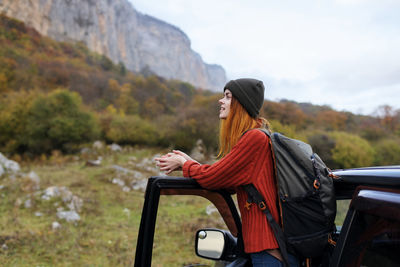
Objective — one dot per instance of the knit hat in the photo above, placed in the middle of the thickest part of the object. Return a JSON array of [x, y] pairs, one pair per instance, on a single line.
[[249, 93]]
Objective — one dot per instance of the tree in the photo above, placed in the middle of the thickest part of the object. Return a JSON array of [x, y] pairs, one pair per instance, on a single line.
[[323, 144], [131, 129], [351, 151], [57, 121], [387, 117], [121, 69], [126, 102], [14, 116], [288, 130], [331, 120], [151, 108], [285, 112], [105, 63], [388, 152]]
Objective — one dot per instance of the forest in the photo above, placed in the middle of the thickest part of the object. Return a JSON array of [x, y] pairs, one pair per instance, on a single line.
[[58, 96]]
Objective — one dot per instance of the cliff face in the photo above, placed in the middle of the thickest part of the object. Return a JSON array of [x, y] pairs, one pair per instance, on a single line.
[[114, 28]]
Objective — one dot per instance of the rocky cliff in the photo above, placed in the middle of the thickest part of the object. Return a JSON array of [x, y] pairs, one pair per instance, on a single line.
[[114, 28]]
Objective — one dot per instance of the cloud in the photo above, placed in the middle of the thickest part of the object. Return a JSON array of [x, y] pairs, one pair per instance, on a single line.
[[341, 52]]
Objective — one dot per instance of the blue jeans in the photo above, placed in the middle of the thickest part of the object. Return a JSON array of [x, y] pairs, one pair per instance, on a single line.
[[263, 259]]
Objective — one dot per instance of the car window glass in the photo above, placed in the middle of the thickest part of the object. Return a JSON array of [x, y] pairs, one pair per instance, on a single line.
[[372, 241], [178, 219]]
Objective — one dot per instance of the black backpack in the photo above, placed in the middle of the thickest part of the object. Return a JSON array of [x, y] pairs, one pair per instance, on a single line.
[[306, 198]]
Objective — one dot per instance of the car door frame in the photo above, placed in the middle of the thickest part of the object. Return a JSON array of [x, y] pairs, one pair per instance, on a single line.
[[157, 186]]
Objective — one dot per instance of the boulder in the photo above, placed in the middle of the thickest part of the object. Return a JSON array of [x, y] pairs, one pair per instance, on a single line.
[[94, 163], [34, 179], [98, 145], [9, 166], [69, 216], [55, 225], [199, 151], [115, 148]]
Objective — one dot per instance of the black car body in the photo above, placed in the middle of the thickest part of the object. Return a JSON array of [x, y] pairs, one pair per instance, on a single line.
[[369, 236]]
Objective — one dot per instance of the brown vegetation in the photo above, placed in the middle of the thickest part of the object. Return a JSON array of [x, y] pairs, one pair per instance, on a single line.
[[56, 96]]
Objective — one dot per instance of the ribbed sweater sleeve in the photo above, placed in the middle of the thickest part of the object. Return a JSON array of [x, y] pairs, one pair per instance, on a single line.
[[234, 169], [249, 161]]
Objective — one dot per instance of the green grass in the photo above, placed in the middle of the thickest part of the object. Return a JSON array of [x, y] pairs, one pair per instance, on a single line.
[[342, 207], [177, 222], [106, 235]]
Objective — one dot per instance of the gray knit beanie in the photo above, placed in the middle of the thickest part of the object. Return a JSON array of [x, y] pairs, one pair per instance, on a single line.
[[249, 93]]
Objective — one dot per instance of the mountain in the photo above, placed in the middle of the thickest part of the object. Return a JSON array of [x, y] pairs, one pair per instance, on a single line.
[[115, 29]]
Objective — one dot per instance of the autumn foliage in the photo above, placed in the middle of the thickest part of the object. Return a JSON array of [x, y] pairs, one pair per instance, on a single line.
[[58, 96]]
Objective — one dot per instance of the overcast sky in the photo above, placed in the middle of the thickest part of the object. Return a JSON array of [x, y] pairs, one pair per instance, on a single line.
[[343, 53]]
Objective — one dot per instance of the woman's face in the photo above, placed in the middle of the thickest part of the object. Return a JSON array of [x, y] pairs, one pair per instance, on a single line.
[[225, 103]]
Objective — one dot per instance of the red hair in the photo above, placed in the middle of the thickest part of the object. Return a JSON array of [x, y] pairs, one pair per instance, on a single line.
[[233, 127]]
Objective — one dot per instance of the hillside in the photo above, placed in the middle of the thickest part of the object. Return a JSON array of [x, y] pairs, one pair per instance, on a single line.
[[116, 30], [78, 135], [59, 96]]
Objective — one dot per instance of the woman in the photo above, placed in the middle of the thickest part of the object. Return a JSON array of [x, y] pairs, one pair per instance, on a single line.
[[245, 157]]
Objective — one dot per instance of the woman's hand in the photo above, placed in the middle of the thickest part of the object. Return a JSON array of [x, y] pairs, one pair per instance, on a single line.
[[184, 155], [172, 161]]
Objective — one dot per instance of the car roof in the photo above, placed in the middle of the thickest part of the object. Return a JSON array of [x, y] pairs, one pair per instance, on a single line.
[[378, 176]]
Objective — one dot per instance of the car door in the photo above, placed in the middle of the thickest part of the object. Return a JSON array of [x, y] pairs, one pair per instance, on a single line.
[[174, 186], [371, 231]]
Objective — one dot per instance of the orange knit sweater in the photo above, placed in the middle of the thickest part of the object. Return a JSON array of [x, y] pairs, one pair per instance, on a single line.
[[248, 162]]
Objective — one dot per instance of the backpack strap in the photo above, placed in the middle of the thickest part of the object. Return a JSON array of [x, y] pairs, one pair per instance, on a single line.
[[264, 130], [255, 197]]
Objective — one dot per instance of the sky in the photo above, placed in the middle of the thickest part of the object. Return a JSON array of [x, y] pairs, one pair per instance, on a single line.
[[341, 53]]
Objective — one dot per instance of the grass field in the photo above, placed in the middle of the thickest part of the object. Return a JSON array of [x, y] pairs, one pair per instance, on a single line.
[[110, 215], [107, 230]]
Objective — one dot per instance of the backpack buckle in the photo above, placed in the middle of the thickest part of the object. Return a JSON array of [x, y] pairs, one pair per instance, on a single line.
[[317, 184], [331, 241], [262, 205], [247, 205], [332, 175]]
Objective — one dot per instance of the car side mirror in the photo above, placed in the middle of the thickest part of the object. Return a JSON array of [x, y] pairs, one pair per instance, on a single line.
[[215, 244]]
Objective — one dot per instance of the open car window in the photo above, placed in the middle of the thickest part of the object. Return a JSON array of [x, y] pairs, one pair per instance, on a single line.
[[181, 203], [215, 198], [181, 213]]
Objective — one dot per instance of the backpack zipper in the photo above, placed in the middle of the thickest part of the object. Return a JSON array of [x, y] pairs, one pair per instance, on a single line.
[[327, 232]]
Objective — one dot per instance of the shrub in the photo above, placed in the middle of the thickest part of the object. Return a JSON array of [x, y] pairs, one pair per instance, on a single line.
[[286, 112], [323, 144], [131, 129], [197, 121], [288, 130], [372, 130], [331, 119], [58, 120], [351, 151], [388, 152], [14, 116]]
